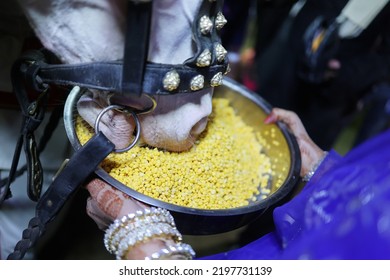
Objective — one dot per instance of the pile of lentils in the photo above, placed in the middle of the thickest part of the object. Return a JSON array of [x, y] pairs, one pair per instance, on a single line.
[[226, 168]]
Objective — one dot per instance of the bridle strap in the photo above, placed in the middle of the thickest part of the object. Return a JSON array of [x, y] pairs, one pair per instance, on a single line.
[[33, 113], [5, 183], [209, 41], [136, 46], [80, 166], [106, 76], [135, 75]]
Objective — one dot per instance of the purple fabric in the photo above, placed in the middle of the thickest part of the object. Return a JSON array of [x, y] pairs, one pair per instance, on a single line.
[[342, 213]]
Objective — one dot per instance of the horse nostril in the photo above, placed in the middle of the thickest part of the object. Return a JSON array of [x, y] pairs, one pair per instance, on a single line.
[[199, 127]]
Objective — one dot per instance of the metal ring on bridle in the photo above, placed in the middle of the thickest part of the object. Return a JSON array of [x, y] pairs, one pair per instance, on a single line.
[[135, 110], [126, 110], [147, 109]]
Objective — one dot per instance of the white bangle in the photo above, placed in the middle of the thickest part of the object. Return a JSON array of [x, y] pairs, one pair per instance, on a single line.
[[181, 250], [143, 234], [120, 228], [142, 226], [310, 174]]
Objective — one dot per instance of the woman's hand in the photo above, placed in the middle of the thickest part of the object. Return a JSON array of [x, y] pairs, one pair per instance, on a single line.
[[107, 204], [311, 154]]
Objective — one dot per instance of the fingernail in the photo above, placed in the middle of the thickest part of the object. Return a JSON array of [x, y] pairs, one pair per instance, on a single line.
[[269, 119]]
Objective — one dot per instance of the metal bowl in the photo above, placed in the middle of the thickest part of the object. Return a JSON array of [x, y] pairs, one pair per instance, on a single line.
[[282, 149]]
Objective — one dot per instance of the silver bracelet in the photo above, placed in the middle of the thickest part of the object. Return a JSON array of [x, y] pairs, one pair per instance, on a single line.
[[310, 174], [181, 250], [146, 233], [120, 228], [141, 226]]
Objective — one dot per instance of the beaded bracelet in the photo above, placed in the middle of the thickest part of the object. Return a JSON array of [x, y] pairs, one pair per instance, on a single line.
[[120, 228], [181, 250], [144, 234], [310, 174], [139, 227]]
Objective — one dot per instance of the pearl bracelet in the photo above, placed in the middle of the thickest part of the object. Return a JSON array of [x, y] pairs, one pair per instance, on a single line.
[[120, 228], [142, 226], [310, 174], [182, 251], [144, 234]]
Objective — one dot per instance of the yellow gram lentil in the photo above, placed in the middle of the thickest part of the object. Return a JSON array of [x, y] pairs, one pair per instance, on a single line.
[[226, 168]]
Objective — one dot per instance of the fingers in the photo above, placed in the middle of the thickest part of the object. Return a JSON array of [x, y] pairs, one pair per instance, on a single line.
[[112, 202], [310, 152], [107, 204], [290, 118], [105, 197], [94, 212]]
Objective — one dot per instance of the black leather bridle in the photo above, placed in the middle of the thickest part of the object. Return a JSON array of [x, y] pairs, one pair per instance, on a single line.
[[35, 71]]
